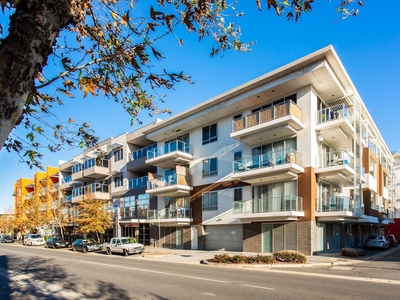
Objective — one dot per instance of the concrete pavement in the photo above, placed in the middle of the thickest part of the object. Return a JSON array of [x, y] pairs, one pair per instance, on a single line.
[[199, 256]]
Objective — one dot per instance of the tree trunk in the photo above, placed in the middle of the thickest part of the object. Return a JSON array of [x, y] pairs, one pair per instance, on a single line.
[[33, 30]]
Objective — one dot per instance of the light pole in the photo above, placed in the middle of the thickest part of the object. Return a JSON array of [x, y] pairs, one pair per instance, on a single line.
[[116, 209]]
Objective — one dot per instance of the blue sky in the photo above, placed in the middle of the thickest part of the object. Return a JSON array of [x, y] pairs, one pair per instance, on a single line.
[[368, 46]]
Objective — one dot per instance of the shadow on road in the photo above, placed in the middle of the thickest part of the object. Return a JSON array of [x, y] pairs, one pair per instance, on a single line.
[[25, 279]]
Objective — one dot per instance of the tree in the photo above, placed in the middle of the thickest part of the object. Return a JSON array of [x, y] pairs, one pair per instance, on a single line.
[[53, 48], [6, 223], [93, 216]]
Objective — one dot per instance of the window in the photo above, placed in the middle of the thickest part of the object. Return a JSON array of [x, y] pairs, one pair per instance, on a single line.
[[238, 194], [118, 181], [210, 134], [210, 167], [118, 155], [210, 201]]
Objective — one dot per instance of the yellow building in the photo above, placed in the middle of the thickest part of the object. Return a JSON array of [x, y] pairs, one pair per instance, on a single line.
[[33, 200]]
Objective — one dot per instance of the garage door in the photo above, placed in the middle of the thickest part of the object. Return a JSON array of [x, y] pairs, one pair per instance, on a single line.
[[227, 237]]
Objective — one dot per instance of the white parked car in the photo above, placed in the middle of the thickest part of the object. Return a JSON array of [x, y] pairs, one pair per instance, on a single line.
[[123, 245], [33, 239]]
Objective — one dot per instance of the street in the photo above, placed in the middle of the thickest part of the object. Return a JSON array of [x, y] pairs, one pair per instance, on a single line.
[[39, 273]]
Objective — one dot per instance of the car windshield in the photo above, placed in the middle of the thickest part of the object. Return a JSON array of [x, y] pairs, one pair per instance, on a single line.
[[128, 240], [373, 237], [89, 241], [58, 240], [389, 237], [35, 236]]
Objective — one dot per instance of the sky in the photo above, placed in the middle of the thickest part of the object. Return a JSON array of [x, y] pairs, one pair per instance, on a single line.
[[368, 46]]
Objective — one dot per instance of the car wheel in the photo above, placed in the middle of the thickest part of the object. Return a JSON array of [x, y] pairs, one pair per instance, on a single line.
[[125, 252], [73, 249], [84, 249], [109, 252]]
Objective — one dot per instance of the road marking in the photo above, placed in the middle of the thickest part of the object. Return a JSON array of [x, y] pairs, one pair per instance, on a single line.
[[177, 275], [342, 268], [363, 279]]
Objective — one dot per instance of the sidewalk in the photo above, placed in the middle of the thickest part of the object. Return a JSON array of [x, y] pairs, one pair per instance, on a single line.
[[198, 257]]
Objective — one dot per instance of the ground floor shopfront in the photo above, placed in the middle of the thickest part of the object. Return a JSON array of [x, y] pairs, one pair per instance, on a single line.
[[309, 238]]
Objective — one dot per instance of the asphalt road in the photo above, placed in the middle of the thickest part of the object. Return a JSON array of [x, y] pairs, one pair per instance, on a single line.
[[38, 273]]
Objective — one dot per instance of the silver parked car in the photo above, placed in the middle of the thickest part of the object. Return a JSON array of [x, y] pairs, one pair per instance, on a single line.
[[376, 241]]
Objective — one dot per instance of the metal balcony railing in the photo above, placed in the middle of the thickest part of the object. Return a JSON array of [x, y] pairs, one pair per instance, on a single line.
[[272, 204], [169, 148], [333, 113], [267, 114], [338, 203], [334, 158], [268, 159]]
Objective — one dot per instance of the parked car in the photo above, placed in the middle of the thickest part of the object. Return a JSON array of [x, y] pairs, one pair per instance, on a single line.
[[56, 243], [6, 239], [123, 245], [33, 239], [86, 245], [376, 241], [392, 240]]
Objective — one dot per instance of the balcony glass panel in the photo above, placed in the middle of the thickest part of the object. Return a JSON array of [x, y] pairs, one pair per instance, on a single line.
[[268, 159], [268, 205], [92, 162], [138, 182], [66, 179], [333, 113], [329, 204], [168, 213], [140, 153], [267, 114], [334, 158], [168, 148]]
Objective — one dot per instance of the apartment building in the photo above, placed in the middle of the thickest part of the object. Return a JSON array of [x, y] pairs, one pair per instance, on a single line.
[[35, 196], [290, 160]]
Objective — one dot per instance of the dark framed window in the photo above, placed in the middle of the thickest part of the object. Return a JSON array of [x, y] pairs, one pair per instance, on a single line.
[[118, 181], [210, 167], [238, 194], [210, 134], [210, 201], [118, 155]]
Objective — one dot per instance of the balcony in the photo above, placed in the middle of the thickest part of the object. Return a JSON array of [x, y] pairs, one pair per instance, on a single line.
[[170, 216], [95, 169], [67, 199], [96, 190], [170, 155], [271, 209], [66, 182], [138, 182], [272, 123], [336, 209], [137, 159], [170, 186], [269, 167], [334, 125], [336, 167]]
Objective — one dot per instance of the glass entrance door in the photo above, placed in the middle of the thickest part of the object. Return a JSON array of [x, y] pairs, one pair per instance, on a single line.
[[267, 238]]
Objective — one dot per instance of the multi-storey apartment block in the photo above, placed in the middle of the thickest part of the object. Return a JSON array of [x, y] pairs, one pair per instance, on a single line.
[[35, 197], [290, 160]]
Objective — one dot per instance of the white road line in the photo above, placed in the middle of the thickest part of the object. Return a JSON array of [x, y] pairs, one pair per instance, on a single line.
[[174, 274], [363, 279]]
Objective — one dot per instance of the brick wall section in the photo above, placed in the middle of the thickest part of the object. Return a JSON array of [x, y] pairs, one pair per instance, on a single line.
[[252, 237], [307, 237]]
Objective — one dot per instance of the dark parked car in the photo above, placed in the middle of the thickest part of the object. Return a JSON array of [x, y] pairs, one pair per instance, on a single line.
[[86, 245], [56, 243], [376, 241], [6, 239], [392, 240]]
